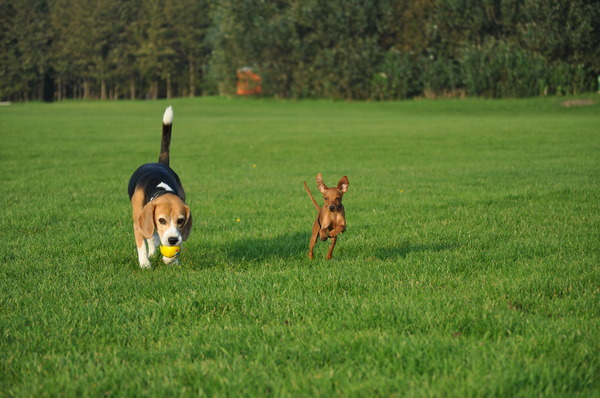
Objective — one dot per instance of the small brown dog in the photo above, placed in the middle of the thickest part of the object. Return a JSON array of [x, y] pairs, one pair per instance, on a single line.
[[331, 219]]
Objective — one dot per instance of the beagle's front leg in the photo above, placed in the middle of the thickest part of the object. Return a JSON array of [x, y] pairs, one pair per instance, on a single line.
[[153, 243], [141, 248]]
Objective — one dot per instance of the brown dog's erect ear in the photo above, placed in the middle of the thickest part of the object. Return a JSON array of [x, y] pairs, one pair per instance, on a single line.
[[322, 187], [343, 184], [187, 227], [146, 221]]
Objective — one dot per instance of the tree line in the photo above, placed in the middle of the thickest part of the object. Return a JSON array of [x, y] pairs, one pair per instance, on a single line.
[[340, 49]]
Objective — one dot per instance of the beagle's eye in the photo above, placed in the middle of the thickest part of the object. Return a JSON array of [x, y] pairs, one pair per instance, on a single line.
[[162, 221], [180, 221]]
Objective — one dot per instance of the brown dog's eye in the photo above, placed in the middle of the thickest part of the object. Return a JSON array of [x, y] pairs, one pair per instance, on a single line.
[[326, 198], [162, 221], [180, 221]]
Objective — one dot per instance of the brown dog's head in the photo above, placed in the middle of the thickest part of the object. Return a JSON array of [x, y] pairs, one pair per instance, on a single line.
[[333, 196], [171, 218]]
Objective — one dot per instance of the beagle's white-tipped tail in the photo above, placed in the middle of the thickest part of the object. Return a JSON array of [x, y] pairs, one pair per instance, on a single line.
[[165, 142], [168, 116]]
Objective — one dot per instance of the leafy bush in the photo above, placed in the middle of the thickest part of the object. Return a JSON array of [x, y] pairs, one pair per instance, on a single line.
[[397, 77], [498, 69]]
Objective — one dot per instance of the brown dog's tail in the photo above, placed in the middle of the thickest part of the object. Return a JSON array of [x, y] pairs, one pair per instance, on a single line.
[[165, 142], [312, 197]]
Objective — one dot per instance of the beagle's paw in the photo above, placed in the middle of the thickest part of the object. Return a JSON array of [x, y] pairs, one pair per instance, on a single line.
[[143, 257], [170, 260]]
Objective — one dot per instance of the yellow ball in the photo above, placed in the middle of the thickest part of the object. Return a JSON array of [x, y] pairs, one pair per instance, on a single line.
[[170, 251]]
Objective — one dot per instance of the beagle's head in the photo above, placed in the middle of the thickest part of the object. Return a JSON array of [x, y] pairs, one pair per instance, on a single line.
[[333, 196], [170, 217]]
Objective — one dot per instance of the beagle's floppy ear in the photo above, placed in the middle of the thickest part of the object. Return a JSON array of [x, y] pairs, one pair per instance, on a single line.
[[343, 184], [187, 227], [322, 187], [146, 221]]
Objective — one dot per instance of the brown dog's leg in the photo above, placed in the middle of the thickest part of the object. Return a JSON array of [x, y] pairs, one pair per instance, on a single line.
[[324, 234], [330, 252], [313, 238], [339, 229]]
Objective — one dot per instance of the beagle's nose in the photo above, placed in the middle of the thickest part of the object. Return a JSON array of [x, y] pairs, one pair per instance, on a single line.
[[331, 208], [173, 241]]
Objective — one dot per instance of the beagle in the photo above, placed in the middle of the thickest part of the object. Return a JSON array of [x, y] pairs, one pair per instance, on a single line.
[[160, 215]]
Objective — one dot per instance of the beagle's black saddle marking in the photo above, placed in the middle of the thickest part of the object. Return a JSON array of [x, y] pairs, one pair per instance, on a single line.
[[155, 179]]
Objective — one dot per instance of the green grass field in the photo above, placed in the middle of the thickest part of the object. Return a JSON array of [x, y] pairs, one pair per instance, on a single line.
[[470, 266]]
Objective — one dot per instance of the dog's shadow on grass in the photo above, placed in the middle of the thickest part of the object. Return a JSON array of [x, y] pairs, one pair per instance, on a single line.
[[251, 249], [405, 249], [285, 246], [294, 246]]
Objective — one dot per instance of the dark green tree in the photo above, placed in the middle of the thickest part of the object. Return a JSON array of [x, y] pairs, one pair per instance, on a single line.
[[24, 50]]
